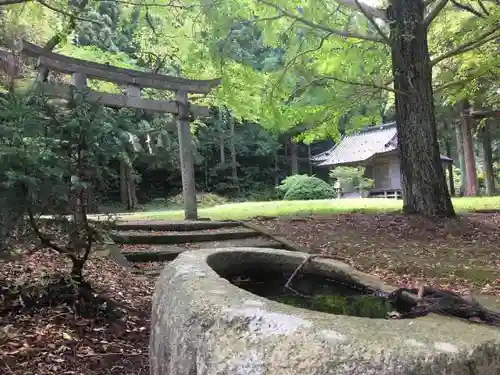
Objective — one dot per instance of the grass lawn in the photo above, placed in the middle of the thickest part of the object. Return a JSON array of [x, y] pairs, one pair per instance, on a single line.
[[241, 211]]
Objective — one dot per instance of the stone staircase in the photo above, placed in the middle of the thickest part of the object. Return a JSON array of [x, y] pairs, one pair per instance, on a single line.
[[148, 245]]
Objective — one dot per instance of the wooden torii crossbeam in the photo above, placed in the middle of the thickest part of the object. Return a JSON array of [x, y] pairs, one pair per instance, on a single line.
[[135, 80]]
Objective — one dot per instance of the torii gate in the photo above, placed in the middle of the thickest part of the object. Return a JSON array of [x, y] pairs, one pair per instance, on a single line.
[[135, 80]]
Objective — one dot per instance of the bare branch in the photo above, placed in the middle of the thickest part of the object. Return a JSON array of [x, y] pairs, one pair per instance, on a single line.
[[366, 9], [467, 8], [435, 12], [478, 42], [327, 29], [370, 18]]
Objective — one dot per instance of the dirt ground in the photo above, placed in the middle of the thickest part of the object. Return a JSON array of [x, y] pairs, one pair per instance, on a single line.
[[461, 254]]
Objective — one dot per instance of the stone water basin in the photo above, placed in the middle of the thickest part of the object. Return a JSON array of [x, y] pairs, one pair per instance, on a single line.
[[204, 324]]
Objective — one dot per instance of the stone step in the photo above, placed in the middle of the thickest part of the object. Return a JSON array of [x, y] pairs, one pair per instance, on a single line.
[[165, 237], [160, 253], [179, 226], [260, 242]]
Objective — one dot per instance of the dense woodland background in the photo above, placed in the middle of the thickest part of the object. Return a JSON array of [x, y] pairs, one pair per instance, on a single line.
[[289, 91]]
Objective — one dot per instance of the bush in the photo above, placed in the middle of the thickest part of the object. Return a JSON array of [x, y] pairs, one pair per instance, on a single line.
[[308, 188], [203, 199], [289, 182], [350, 178]]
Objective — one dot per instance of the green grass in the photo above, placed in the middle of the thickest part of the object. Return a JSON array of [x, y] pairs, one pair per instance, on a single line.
[[241, 211]]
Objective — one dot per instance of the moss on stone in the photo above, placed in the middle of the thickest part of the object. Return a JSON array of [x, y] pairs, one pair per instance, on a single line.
[[362, 306]]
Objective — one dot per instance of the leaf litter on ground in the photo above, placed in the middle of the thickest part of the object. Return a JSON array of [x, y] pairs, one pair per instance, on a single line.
[[457, 254], [55, 338]]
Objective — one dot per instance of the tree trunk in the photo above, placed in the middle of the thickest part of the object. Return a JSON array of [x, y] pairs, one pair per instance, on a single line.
[[221, 139], [489, 178], [295, 157], [234, 162], [423, 180], [222, 150], [447, 146], [77, 271], [128, 194], [471, 188], [309, 155], [276, 169], [123, 183], [461, 159]]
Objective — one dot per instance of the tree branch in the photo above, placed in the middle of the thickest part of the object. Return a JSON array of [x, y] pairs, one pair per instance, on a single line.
[[366, 9], [64, 13], [46, 241], [478, 42], [434, 12], [460, 82], [483, 7], [347, 82], [327, 29], [295, 58], [467, 8], [12, 2], [370, 18]]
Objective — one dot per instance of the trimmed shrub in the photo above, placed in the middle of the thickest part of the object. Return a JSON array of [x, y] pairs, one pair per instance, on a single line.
[[309, 188], [290, 181]]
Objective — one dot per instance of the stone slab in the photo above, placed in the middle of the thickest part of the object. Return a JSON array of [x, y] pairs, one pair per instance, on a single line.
[[158, 238], [202, 324], [184, 225]]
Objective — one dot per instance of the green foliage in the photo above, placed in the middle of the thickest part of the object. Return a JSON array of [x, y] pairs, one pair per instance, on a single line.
[[51, 158], [290, 181], [351, 177], [203, 199], [309, 188]]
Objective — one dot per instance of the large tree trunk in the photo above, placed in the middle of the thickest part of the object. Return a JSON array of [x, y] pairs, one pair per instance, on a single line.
[[447, 146], [489, 178], [424, 183], [471, 188], [461, 159]]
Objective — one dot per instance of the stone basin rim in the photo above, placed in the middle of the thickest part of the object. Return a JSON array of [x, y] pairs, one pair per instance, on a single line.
[[202, 321]]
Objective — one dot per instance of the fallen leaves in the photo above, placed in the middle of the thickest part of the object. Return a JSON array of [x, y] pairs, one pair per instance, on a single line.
[[457, 254], [56, 340]]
